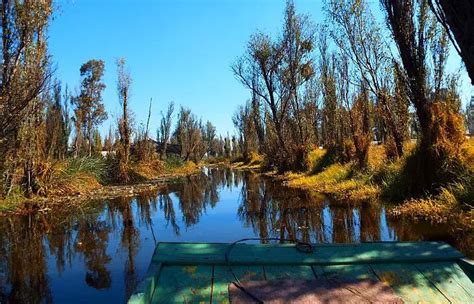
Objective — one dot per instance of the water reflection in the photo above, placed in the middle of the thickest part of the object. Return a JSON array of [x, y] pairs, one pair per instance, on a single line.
[[100, 252]]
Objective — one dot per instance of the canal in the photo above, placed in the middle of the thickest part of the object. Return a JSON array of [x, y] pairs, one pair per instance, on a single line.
[[99, 252]]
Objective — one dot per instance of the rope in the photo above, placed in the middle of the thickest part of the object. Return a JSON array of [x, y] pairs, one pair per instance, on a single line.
[[300, 246]]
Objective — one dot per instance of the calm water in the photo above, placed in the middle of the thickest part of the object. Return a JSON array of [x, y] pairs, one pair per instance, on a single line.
[[99, 253]]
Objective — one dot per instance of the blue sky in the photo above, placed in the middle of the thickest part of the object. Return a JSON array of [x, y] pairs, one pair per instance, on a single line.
[[176, 50]]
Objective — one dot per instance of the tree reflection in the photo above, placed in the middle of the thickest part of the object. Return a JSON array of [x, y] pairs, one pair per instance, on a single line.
[[28, 244], [91, 242], [22, 246], [130, 241], [166, 204], [276, 211]]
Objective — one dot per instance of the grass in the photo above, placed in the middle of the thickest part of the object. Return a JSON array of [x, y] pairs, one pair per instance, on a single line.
[[254, 162], [454, 204], [77, 176], [342, 181]]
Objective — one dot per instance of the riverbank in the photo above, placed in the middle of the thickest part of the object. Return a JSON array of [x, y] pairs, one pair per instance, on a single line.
[[382, 180], [73, 182]]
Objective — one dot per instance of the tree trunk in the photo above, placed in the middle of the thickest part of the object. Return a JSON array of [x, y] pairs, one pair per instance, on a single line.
[[392, 124], [458, 16]]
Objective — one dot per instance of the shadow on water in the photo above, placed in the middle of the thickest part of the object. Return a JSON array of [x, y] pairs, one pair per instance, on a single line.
[[99, 253]]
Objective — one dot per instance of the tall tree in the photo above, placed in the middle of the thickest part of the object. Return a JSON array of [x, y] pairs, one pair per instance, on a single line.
[[24, 75], [165, 128], [275, 71], [332, 122], [57, 124], [457, 17], [297, 43], [209, 136], [188, 134], [265, 58], [359, 38], [441, 126], [124, 82], [247, 131], [90, 111]]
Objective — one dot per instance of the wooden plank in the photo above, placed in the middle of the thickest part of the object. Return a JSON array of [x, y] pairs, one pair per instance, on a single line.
[[467, 265], [318, 270], [144, 291], [352, 272], [450, 279], [409, 283], [184, 284], [302, 272], [286, 254], [223, 277]]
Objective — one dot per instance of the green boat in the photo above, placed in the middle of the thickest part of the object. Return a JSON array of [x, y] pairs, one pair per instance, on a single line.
[[416, 272]]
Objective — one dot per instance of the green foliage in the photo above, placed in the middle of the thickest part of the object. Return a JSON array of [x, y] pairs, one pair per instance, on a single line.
[[93, 166], [173, 161]]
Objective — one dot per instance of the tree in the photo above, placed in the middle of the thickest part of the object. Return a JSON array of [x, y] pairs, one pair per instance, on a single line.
[[259, 71], [209, 136], [165, 128], [97, 146], [188, 135], [360, 122], [359, 38], [275, 71], [332, 124], [24, 75], [124, 82], [90, 111], [436, 160], [57, 124], [109, 142], [247, 131], [457, 17], [297, 43]]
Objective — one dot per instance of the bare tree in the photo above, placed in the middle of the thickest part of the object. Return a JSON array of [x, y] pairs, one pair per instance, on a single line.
[[245, 125], [259, 71], [124, 82], [358, 37], [188, 135], [275, 71], [332, 124], [165, 128]]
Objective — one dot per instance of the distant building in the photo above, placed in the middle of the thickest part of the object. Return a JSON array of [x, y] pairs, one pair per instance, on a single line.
[[470, 117]]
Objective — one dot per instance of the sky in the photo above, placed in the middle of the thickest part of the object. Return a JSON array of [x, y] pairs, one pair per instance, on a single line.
[[176, 50]]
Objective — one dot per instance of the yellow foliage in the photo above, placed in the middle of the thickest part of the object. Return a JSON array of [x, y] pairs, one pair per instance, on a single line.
[[314, 157], [335, 180], [468, 153], [150, 169], [255, 162], [443, 208], [255, 158], [189, 167], [377, 157]]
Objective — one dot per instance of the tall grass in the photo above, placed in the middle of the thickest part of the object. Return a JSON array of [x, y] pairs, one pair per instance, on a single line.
[[74, 175], [92, 166]]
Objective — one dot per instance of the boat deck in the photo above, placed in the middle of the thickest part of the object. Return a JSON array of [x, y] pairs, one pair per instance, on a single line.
[[418, 272]]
